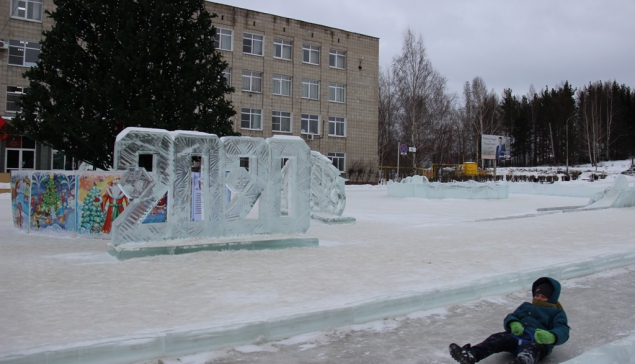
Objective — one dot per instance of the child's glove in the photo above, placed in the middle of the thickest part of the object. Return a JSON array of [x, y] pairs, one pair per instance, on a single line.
[[517, 328], [544, 337]]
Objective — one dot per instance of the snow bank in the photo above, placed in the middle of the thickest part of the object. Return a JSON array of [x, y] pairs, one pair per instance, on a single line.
[[555, 189], [418, 186]]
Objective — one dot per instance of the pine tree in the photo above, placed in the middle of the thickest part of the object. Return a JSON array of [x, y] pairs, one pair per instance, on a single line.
[[92, 215], [109, 64], [50, 200]]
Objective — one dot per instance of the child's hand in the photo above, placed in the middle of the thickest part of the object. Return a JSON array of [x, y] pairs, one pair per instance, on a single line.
[[517, 328], [544, 337]]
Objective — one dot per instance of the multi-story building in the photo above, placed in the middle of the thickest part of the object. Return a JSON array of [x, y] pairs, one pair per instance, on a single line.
[[21, 26], [297, 78], [290, 78]]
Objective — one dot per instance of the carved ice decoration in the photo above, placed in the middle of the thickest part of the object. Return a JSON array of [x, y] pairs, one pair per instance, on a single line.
[[327, 187], [239, 180]]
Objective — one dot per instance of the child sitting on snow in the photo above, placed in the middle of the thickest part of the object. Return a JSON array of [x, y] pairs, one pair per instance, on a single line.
[[543, 319]]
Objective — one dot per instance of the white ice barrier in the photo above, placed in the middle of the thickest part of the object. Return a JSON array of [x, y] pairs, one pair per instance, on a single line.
[[419, 186], [236, 191]]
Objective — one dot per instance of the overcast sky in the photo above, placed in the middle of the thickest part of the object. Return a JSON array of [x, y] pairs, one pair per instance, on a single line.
[[510, 44]]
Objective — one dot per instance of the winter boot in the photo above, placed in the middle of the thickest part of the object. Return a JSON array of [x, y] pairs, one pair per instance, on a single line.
[[463, 354]]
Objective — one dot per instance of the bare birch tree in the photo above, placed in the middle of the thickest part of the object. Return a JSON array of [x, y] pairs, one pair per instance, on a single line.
[[421, 95]]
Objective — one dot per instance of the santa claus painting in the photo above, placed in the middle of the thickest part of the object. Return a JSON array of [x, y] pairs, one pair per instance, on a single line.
[[113, 202]]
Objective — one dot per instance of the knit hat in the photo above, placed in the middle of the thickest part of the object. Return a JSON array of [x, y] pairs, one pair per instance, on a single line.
[[546, 289]]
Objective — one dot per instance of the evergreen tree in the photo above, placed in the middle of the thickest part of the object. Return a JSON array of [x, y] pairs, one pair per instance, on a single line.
[[92, 215], [50, 200], [109, 64]]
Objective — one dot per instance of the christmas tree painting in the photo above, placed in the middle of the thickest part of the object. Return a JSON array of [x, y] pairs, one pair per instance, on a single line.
[[50, 200], [92, 215]]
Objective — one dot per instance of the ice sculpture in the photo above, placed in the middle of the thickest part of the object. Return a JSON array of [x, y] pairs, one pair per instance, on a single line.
[[328, 196], [185, 184], [235, 182], [419, 186], [618, 195]]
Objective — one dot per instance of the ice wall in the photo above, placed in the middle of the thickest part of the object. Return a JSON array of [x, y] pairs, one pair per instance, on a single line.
[[419, 186]]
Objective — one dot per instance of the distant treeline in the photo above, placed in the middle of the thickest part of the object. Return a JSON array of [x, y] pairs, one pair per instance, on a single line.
[[548, 127]]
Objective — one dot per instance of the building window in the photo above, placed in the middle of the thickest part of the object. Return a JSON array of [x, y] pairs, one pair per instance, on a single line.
[[60, 161], [227, 73], [224, 39], [282, 85], [337, 92], [310, 54], [252, 44], [311, 89], [13, 94], [252, 81], [23, 53], [281, 121], [282, 49], [337, 126], [339, 160], [336, 59], [251, 119], [27, 9], [19, 153], [310, 124]]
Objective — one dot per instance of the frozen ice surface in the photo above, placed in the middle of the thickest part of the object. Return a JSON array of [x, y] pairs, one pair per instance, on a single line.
[[616, 352], [176, 342], [419, 186]]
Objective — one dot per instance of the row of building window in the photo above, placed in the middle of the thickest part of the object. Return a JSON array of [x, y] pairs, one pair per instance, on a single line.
[[282, 49], [27, 9], [251, 81], [282, 85], [281, 122]]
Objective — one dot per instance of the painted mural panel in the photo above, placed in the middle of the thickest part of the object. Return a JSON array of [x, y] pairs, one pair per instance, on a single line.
[[100, 202], [159, 213], [52, 206], [20, 199]]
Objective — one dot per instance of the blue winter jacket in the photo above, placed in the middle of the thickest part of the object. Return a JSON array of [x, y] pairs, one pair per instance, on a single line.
[[533, 317]]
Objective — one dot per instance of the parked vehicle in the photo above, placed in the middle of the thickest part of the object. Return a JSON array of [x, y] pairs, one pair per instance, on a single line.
[[630, 171]]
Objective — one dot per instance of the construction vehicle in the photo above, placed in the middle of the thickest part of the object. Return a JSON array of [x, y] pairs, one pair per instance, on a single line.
[[449, 172]]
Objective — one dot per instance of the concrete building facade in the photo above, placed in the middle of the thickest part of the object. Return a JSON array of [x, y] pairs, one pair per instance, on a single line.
[[290, 78]]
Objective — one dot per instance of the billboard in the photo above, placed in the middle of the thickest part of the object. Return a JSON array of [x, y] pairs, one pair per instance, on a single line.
[[495, 147]]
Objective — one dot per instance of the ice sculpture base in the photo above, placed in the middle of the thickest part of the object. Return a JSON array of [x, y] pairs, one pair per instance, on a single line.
[[253, 242], [333, 219]]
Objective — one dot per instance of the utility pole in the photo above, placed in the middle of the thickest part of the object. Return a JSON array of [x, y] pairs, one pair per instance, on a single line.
[[398, 154]]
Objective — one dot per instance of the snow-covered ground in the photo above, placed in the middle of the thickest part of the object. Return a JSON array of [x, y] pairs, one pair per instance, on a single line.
[[60, 290]]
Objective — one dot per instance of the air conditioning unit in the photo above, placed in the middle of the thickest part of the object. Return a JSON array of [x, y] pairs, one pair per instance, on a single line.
[[4, 45], [309, 137]]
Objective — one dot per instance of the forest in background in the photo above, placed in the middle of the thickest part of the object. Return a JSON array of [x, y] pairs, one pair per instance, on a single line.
[[550, 126]]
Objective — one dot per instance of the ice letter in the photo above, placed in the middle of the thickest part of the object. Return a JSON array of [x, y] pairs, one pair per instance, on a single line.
[[290, 185], [152, 149], [247, 173], [327, 187], [194, 151]]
